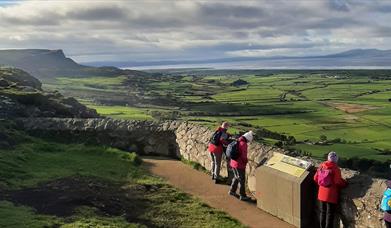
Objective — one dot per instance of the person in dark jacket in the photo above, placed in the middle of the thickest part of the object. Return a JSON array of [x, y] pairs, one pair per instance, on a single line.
[[239, 167], [329, 196], [387, 215], [216, 151]]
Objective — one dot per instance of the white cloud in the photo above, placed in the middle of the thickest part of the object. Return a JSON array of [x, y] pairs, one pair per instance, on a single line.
[[134, 30]]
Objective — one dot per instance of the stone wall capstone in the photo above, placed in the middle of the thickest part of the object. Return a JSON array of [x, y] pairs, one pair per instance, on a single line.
[[359, 205]]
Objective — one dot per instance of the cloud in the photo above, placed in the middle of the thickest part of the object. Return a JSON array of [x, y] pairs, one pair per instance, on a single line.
[[339, 5], [152, 30], [99, 13]]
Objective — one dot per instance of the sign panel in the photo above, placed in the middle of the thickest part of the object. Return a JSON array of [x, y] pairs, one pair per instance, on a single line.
[[290, 165]]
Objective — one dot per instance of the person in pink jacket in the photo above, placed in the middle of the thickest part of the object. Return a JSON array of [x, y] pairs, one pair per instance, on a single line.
[[239, 167]]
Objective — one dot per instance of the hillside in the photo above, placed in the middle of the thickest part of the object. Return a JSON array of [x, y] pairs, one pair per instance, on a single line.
[[21, 95], [43, 63]]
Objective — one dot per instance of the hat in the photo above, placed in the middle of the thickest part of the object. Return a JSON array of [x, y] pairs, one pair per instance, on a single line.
[[249, 136], [333, 157]]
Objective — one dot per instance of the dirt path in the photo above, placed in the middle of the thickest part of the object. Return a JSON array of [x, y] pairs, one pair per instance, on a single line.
[[200, 185]]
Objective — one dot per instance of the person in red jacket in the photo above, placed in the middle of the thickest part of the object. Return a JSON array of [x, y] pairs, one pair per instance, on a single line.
[[329, 196], [239, 167], [216, 151]]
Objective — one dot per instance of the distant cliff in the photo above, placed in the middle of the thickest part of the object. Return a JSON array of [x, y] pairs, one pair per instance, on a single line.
[[43, 63]]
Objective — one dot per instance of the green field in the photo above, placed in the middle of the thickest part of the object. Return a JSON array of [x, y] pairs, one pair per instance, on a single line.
[[351, 108]]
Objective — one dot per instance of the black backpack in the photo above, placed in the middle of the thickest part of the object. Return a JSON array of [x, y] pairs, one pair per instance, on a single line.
[[232, 151], [215, 139]]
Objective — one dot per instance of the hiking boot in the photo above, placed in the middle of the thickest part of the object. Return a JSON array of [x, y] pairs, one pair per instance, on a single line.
[[244, 198], [213, 177], [218, 181], [232, 194]]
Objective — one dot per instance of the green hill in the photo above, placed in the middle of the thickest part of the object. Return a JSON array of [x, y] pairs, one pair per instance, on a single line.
[[21, 95]]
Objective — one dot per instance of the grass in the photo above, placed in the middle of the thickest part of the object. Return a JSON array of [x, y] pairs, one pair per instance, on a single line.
[[21, 216], [32, 163], [121, 112], [35, 163]]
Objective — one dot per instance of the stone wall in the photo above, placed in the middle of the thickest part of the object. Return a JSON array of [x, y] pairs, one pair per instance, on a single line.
[[359, 203]]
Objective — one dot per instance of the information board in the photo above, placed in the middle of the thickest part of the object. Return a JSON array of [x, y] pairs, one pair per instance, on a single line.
[[290, 165]]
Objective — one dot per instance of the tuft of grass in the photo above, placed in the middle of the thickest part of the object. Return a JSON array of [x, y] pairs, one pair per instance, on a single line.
[[194, 165], [13, 216]]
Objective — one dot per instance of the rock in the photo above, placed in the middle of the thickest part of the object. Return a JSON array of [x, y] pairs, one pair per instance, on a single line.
[[149, 149]]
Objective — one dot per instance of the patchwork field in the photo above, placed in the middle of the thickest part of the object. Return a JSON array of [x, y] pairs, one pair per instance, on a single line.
[[346, 111]]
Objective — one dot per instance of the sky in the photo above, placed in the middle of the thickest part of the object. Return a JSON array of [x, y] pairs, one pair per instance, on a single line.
[[93, 30]]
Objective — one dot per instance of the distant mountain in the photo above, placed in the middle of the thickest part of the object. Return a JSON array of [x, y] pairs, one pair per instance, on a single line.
[[44, 63], [356, 58], [361, 53]]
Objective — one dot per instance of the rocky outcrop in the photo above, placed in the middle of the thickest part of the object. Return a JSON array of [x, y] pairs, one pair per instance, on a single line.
[[16, 77], [21, 95], [359, 203]]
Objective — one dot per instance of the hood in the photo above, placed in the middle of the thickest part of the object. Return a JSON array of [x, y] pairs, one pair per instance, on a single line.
[[242, 139], [388, 183], [329, 164]]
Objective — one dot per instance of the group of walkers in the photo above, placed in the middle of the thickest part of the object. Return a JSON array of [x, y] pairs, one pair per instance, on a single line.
[[328, 175], [222, 142]]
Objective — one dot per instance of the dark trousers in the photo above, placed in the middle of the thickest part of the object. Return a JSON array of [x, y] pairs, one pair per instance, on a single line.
[[239, 178], [327, 212], [388, 224], [230, 172]]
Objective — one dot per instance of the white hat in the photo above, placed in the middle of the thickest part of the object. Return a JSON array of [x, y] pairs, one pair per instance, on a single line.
[[333, 157], [249, 136]]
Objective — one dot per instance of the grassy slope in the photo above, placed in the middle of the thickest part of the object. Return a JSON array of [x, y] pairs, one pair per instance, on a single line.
[[37, 162], [369, 130]]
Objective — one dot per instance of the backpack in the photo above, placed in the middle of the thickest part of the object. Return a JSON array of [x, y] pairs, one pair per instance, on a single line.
[[232, 151], [325, 177], [386, 201], [215, 139]]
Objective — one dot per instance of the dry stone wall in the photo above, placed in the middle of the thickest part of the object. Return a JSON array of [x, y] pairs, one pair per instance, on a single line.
[[359, 201]]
